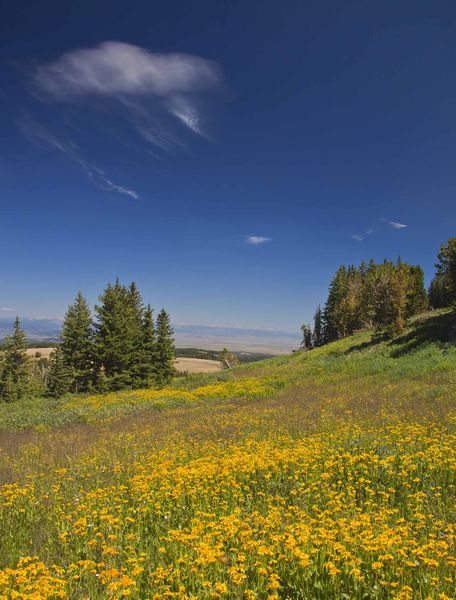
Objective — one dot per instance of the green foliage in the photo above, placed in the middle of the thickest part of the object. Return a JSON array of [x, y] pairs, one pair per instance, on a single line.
[[149, 357], [16, 378], [318, 328], [77, 346], [378, 296], [307, 338], [61, 377], [446, 270], [140, 359], [129, 351], [439, 291], [117, 333], [100, 383], [228, 358], [165, 352]]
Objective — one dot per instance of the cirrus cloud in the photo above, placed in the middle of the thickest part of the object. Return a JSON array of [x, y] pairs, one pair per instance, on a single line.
[[160, 96], [38, 134], [393, 224], [155, 92]]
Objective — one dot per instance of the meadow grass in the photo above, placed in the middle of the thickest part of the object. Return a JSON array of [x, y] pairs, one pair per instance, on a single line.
[[327, 474]]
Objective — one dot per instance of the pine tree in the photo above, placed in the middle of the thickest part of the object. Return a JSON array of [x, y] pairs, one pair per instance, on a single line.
[[135, 331], [390, 300], [60, 378], [378, 296], [113, 344], [99, 383], [7, 387], [16, 379], [149, 349], [119, 338], [367, 300], [318, 328], [416, 296], [306, 336], [77, 346], [165, 369], [446, 267], [335, 319], [439, 292]]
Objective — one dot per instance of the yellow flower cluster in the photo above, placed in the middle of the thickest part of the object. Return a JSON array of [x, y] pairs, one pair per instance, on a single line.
[[245, 389], [358, 513]]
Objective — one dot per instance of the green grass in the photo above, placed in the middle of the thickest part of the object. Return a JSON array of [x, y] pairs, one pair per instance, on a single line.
[[422, 360]]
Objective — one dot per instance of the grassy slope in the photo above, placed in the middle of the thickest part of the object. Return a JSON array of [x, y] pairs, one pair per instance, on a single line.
[[327, 474], [421, 362]]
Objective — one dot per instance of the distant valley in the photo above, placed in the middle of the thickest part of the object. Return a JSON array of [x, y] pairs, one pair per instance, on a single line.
[[200, 336]]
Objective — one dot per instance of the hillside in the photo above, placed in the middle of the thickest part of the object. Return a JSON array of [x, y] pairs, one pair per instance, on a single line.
[[322, 474]]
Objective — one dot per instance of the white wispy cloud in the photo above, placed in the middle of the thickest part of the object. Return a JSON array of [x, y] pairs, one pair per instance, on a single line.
[[7, 309], [393, 224], [256, 240], [37, 133], [113, 68], [157, 91], [360, 237]]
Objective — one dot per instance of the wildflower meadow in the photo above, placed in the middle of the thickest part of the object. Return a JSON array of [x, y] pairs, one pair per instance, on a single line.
[[327, 474]]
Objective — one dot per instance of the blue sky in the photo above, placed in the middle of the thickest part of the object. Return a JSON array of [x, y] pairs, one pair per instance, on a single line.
[[227, 156]]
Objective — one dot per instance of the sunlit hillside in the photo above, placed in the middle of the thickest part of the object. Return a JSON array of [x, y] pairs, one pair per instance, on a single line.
[[322, 474]]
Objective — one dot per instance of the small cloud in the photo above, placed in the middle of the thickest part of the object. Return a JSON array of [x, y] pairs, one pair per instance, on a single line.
[[7, 309], [256, 240], [360, 237], [393, 224]]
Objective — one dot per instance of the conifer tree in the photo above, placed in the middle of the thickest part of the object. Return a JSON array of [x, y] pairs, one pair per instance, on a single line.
[[77, 346], [135, 331], [114, 345], [306, 336], [335, 317], [416, 296], [119, 338], [378, 296], [446, 267], [15, 380], [367, 300], [390, 300], [165, 369], [149, 349], [439, 292], [60, 378], [318, 328], [100, 384]]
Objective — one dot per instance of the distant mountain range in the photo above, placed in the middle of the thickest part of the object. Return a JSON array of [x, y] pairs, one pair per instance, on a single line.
[[36, 329], [200, 336]]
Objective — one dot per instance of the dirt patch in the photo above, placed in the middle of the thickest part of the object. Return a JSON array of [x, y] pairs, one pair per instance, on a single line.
[[198, 365]]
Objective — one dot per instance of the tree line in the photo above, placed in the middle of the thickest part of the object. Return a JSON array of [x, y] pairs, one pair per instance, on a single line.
[[122, 347], [381, 297]]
